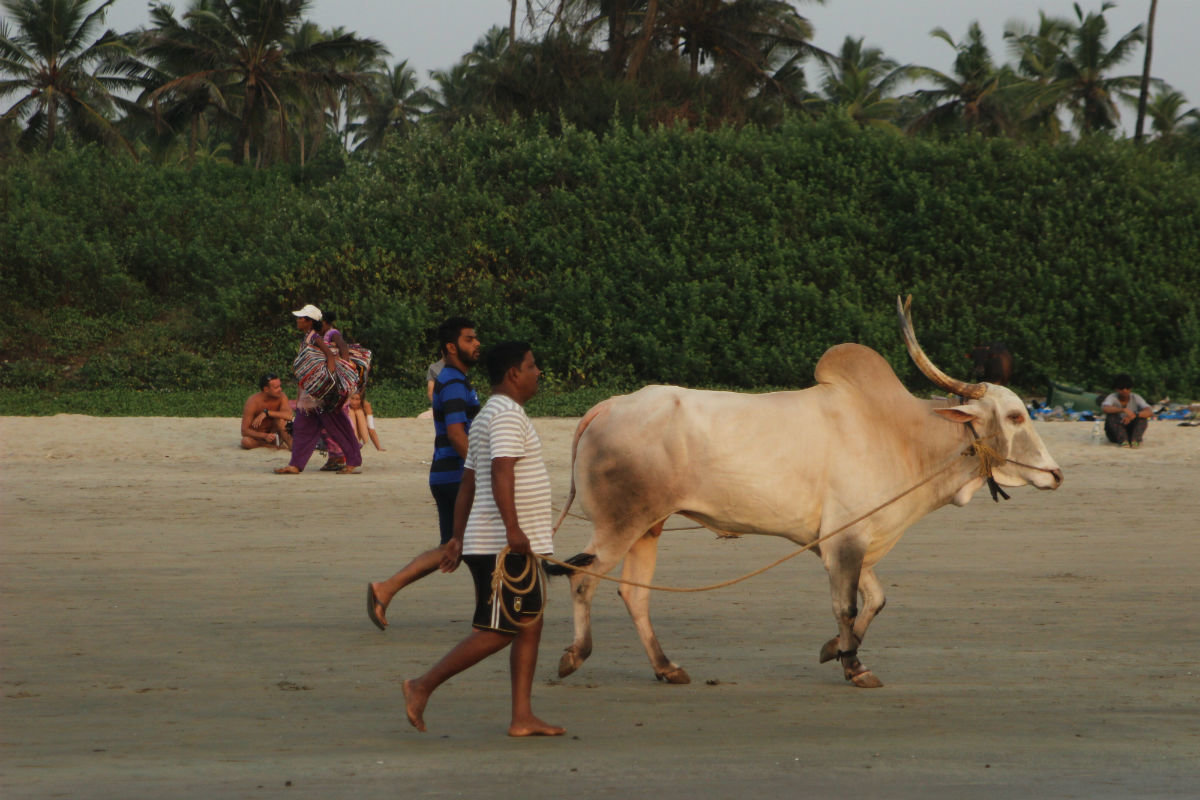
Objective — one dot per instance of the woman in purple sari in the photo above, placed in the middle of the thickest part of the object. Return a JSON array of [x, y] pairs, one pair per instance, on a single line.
[[326, 380]]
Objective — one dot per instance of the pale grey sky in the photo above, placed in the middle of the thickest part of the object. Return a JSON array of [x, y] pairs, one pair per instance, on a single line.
[[433, 34]]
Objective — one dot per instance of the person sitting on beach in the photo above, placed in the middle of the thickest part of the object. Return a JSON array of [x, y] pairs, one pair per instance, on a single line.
[[364, 420], [265, 416], [1126, 414]]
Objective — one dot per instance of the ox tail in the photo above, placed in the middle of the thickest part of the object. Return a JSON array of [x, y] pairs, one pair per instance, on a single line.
[[594, 412], [577, 560]]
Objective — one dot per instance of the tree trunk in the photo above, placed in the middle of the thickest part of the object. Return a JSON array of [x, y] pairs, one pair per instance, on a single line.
[[512, 22], [616, 37], [1144, 94], [241, 145], [51, 120], [192, 140], [639, 51]]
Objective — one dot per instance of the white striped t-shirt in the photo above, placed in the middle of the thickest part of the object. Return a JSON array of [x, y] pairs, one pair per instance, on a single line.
[[503, 430]]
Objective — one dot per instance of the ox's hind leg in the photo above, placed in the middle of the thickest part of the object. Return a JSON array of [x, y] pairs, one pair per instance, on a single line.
[[639, 568], [847, 577]]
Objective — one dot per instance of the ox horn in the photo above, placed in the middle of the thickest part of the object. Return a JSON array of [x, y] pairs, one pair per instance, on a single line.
[[972, 391]]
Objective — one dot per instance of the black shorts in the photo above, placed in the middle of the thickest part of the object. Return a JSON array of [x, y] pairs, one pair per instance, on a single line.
[[520, 607], [445, 495]]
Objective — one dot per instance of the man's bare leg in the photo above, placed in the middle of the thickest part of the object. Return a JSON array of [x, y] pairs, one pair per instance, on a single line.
[[522, 664], [285, 438], [466, 654], [416, 569]]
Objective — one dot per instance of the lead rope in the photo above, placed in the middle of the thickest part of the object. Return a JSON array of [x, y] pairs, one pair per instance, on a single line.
[[501, 580], [947, 465], [988, 458]]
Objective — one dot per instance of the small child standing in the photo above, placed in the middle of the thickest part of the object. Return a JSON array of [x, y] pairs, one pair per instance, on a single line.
[[363, 419]]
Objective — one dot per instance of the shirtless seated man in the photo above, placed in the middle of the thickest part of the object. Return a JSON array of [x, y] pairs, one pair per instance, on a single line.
[[265, 416]]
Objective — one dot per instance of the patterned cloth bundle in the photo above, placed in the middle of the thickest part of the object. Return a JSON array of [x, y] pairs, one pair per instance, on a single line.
[[320, 390]]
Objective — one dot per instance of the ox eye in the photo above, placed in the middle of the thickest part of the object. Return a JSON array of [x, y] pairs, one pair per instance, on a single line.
[[1016, 418]]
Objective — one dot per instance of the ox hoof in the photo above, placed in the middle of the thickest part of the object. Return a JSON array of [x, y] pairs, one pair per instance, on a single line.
[[830, 650], [676, 675], [568, 663], [866, 680]]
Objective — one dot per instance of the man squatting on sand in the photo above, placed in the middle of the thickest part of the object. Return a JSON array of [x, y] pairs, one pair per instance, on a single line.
[[455, 404], [504, 500], [265, 416]]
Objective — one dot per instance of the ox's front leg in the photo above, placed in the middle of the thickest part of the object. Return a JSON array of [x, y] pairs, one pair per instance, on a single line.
[[845, 573], [639, 568]]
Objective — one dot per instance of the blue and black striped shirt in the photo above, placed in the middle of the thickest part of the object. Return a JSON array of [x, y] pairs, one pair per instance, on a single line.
[[454, 403]]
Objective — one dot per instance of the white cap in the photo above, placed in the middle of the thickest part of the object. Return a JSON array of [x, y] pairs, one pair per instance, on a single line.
[[310, 311]]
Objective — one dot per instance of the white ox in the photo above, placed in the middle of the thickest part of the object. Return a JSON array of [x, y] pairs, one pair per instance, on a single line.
[[793, 464]]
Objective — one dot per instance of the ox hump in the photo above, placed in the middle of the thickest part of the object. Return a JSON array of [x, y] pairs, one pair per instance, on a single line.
[[853, 366]]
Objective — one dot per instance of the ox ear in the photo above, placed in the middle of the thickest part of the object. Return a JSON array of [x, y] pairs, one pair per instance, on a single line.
[[961, 414]]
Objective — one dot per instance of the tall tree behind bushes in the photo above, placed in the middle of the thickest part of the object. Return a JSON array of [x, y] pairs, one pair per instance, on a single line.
[[251, 60], [64, 70]]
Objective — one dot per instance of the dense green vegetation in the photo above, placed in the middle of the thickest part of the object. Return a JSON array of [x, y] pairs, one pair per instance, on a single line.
[[727, 257]]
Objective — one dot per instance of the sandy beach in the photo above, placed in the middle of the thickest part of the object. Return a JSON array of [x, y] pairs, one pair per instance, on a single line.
[[177, 621]]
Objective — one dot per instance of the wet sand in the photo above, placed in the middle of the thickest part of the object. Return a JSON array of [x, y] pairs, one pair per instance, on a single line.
[[176, 621]]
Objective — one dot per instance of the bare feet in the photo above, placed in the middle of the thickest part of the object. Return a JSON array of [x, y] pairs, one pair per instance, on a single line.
[[414, 705], [288, 470], [532, 726], [348, 470]]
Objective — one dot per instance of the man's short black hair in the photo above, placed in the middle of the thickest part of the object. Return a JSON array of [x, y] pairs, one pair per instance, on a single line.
[[265, 379], [502, 357], [1123, 381], [449, 331]]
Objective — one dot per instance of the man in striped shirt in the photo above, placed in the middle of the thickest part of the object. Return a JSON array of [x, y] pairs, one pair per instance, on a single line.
[[455, 404], [503, 505]]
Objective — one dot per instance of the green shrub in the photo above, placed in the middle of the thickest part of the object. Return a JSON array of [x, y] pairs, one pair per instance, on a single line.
[[731, 257]]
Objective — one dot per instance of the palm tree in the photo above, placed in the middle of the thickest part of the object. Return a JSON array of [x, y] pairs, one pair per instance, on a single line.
[[398, 103], [1082, 69], [457, 96], [471, 87], [736, 34], [322, 108], [62, 72], [973, 96], [249, 51], [1166, 113], [859, 80], [199, 104], [1038, 95]]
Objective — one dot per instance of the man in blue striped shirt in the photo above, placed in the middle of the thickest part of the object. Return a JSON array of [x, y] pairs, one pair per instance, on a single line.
[[455, 404]]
